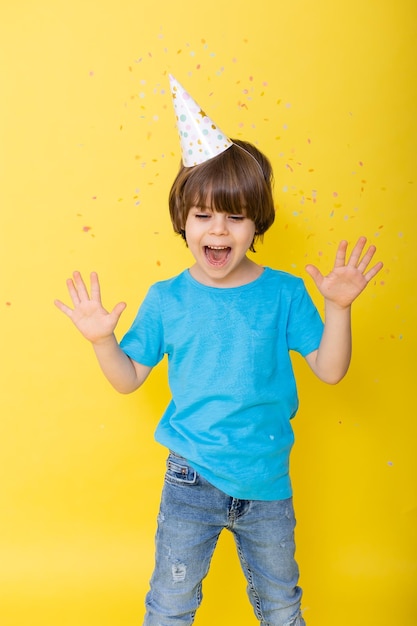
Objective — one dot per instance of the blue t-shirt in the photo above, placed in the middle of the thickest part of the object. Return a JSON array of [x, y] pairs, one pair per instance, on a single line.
[[230, 374]]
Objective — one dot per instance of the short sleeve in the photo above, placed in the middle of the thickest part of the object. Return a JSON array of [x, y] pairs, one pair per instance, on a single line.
[[143, 342], [305, 326]]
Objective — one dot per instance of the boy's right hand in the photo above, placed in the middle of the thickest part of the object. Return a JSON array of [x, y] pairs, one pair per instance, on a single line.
[[89, 316]]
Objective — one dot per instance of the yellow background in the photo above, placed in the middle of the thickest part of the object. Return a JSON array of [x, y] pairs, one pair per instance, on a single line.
[[88, 152]]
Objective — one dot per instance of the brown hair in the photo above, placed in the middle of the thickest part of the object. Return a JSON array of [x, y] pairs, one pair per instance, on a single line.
[[239, 180]]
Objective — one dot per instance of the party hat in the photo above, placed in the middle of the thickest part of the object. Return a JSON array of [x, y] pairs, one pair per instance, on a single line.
[[200, 138]]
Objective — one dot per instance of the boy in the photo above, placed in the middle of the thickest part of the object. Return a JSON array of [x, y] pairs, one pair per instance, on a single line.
[[227, 326]]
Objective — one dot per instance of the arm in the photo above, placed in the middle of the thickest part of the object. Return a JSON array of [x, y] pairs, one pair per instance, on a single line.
[[339, 289], [97, 325]]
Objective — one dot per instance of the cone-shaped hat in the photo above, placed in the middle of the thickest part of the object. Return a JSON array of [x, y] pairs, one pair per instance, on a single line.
[[200, 138]]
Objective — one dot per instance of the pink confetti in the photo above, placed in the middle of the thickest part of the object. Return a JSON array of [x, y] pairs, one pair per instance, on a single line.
[[86, 228]]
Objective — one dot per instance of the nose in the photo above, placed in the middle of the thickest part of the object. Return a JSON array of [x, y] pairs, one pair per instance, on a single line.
[[218, 224]]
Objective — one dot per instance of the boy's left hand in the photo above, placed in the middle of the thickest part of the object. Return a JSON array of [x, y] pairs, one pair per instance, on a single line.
[[347, 280]]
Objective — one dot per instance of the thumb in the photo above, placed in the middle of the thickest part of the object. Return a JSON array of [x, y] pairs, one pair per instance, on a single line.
[[315, 273], [118, 310]]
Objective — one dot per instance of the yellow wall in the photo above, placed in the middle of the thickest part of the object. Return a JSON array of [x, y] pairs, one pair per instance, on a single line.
[[88, 152]]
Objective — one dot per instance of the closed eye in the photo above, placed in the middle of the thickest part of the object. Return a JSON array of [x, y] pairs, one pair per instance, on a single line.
[[237, 218]]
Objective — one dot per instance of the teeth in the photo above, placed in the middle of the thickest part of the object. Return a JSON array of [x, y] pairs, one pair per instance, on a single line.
[[217, 247]]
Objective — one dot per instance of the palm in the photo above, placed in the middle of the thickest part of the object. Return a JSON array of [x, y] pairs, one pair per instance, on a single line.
[[88, 314], [346, 280]]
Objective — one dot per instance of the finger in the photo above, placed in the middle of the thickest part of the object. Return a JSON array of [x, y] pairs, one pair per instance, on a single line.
[[80, 286], [367, 257], [373, 271], [340, 259], [72, 290], [63, 307], [357, 252], [95, 287]]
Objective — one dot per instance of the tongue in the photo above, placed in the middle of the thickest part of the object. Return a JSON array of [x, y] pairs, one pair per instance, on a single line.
[[217, 257]]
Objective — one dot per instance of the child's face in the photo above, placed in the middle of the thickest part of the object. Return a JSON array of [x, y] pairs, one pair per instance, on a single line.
[[219, 243]]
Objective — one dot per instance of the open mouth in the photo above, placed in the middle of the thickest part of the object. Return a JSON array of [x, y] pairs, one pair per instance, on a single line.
[[217, 255]]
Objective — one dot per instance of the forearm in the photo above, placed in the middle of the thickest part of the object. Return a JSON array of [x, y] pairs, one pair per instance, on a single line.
[[116, 365], [331, 360]]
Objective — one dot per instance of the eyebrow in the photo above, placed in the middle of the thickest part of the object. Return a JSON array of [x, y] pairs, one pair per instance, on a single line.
[[199, 207]]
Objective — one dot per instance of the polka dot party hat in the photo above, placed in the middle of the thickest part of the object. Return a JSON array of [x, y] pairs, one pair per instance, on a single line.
[[200, 138]]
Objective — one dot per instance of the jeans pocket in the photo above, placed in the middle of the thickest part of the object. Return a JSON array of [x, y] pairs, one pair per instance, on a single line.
[[179, 472]]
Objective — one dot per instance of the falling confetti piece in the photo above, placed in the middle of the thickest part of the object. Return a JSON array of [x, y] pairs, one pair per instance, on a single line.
[[8, 304], [390, 463], [86, 228]]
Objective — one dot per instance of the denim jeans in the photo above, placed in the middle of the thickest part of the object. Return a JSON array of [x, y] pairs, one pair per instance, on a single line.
[[192, 515]]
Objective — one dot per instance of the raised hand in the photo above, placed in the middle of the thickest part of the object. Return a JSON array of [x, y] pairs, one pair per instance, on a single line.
[[89, 316], [346, 280]]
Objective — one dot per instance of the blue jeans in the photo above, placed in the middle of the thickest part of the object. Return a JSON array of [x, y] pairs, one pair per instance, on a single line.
[[192, 515]]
